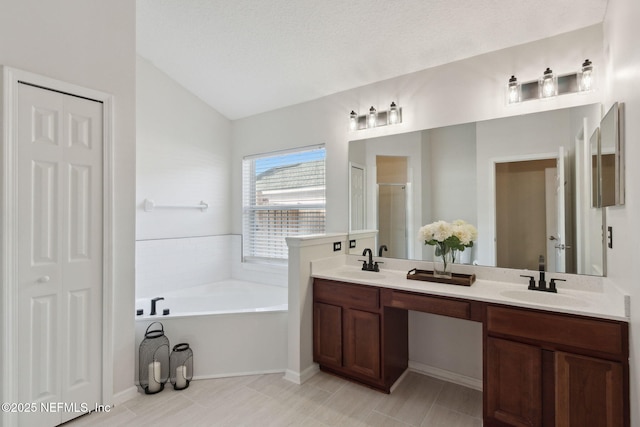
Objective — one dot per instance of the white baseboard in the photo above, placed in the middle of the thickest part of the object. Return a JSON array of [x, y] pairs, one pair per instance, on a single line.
[[237, 374], [124, 395], [449, 376], [301, 377]]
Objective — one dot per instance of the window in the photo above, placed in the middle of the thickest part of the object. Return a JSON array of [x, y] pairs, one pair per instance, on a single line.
[[283, 195]]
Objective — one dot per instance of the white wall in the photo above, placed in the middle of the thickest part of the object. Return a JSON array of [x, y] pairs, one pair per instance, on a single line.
[[92, 44], [183, 157], [621, 35]]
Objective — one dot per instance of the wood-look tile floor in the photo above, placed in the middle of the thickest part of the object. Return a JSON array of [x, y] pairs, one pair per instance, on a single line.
[[324, 400]]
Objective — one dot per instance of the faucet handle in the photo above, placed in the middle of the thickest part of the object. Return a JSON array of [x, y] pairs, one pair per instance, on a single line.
[[364, 263], [532, 281], [552, 285], [375, 265]]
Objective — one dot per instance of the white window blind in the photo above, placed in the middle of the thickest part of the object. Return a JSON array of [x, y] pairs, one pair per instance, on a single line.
[[283, 195]]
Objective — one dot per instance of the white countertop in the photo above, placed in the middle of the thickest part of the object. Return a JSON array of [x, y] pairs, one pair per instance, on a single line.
[[586, 299]]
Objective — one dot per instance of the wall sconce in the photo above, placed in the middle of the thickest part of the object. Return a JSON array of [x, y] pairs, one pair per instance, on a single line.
[[547, 84], [375, 118], [550, 85]]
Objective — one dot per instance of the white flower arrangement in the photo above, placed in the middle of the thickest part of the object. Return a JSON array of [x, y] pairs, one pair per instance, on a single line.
[[448, 237]]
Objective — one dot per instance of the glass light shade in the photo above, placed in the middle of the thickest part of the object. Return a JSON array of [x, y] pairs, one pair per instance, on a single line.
[[353, 120], [513, 91], [586, 76], [394, 114], [372, 118], [547, 84]]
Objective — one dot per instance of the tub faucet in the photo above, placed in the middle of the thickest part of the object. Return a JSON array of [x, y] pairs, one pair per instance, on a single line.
[[153, 305]]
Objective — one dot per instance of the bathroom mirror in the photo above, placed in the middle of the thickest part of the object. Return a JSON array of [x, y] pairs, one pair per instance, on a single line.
[[502, 175], [611, 159]]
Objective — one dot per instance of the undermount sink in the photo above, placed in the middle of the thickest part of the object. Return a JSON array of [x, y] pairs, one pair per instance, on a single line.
[[547, 298], [362, 275]]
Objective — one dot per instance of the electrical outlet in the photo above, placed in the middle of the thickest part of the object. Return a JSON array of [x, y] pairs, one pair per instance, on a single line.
[[352, 243], [337, 246]]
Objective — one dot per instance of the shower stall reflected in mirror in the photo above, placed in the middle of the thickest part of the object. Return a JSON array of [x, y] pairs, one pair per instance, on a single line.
[[392, 209]]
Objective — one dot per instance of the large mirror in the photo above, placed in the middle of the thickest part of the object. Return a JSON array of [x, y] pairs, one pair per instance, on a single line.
[[523, 181]]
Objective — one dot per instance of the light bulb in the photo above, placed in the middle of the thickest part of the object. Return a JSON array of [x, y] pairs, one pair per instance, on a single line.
[[353, 120], [513, 90], [586, 76], [548, 84], [372, 118], [394, 114]]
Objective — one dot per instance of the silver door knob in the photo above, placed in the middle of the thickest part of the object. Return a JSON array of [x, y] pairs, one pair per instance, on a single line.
[[44, 279]]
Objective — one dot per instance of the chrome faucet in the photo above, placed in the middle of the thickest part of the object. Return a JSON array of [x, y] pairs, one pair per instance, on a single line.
[[371, 265], [153, 305]]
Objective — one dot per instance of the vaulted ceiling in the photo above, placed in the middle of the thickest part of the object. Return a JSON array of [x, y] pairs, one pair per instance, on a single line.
[[245, 57]]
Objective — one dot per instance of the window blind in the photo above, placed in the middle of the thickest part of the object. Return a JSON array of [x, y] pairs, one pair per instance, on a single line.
[[283, 195]]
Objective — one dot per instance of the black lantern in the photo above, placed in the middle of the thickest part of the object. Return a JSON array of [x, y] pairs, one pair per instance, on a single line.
[[154, 360], [181, 366]]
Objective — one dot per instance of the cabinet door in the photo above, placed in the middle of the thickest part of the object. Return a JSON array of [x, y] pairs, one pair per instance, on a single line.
[[362, 343], [513, 383], [589, 392], [327, 334]]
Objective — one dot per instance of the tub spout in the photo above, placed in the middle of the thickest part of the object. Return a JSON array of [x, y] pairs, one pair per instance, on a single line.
[[153, 305]]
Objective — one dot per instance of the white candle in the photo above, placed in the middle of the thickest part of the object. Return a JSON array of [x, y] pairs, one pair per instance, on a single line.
[[181, 376], [154, 377]]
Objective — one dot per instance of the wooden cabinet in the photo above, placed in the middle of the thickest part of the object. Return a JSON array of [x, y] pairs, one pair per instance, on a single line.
[[546, 369], [349, 338], [541, 369]]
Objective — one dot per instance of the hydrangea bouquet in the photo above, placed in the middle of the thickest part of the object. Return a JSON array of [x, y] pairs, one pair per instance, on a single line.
[[448, 238]]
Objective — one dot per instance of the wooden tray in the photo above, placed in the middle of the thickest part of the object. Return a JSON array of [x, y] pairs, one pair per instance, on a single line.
[[427, 276]]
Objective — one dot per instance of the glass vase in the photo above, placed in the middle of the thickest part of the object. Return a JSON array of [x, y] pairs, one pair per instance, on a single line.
[[443, 259]]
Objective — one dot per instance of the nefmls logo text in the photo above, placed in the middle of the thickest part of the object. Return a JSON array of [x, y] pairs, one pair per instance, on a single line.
[[64, 407]]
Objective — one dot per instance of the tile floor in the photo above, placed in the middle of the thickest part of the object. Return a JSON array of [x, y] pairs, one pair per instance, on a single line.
[[324, 400]]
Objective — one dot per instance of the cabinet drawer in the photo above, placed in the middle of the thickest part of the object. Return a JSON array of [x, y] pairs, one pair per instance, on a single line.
[[429, 304], [589, 334], [346, 294]]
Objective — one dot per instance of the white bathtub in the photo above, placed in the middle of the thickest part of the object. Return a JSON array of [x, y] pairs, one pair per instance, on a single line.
[[234, 327]]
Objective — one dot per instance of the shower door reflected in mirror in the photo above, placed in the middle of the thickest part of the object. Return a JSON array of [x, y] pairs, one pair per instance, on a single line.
[[392, 219], [391, 177]]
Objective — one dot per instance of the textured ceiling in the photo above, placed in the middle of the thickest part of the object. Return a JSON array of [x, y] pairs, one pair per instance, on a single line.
[[244, 57]]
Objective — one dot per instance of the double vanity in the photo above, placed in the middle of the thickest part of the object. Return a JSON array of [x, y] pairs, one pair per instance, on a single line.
[[548, 359]]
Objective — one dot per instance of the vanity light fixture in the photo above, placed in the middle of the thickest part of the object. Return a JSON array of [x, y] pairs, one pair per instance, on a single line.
[[375, 118], [547, 84], [513, 90], [585, 76], [372, 118], [551, 85]]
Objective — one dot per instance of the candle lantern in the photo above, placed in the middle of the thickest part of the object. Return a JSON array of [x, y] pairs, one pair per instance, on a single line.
[[154, 359], [181, 366]]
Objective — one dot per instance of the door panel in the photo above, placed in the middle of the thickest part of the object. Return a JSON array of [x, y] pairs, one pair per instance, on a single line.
[[60, 251], [362, 342], [588, 391], [513, 383]]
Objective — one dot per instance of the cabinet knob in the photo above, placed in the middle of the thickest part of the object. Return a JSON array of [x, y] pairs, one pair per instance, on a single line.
[[44, 279]]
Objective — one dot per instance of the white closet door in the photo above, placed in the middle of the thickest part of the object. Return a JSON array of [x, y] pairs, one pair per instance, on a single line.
[[60, 253]]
